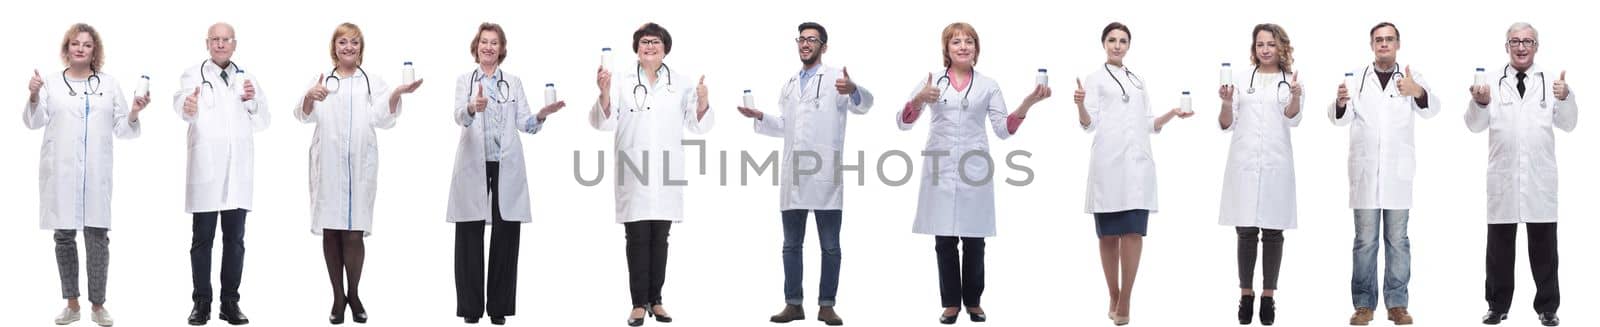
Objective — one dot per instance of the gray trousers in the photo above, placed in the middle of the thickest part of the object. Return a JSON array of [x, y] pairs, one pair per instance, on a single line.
[[99, 253]]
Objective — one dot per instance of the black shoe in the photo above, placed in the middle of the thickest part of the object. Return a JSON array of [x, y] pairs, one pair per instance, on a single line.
[[977, 317], [470, 320], [497, 320], [1269, 311], [1549, 319], [948, 320], [231, 314], [358, 312], [200, 314], [1493, 317], [636, 322], [1247, 308], [659, 318], [790, 312], [336, 317]]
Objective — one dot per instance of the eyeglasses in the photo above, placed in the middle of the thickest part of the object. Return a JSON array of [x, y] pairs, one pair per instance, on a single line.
[[807, 39], [649, 42], [216, 39], [1525, 43]]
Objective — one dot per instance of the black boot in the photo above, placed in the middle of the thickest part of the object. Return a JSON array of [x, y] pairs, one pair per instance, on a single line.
[[1269, 311], [200, 314], [1247, 307], [232, 315]]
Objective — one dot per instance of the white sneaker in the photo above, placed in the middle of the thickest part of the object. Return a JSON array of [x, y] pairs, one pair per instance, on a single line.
[[67, 316], [101, 317]]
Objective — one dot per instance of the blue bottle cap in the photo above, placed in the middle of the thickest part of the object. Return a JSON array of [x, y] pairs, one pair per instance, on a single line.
[[408, 63], [1227, 64], [549, 84], [746, 91], [1041, 70], [1480, 69], [1185, 92]]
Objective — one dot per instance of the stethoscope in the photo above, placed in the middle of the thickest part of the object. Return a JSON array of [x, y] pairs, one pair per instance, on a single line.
[[332, 82], [236, 71], [641, 93], [502, 89], [944, 84], [1505, 72], [92, 84], [814, 97], [1137, 83], [1370, 69], [1282, 84]]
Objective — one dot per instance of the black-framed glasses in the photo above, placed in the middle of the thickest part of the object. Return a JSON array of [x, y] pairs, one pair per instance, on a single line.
[[649, 42], [808, 39], [1525, 43]]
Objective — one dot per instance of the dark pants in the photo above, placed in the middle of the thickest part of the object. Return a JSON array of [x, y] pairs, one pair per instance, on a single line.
[[205, 230], [504, 242], [1272, 258], [794, 237], [960, 274], [647, 260], [1501, 264]]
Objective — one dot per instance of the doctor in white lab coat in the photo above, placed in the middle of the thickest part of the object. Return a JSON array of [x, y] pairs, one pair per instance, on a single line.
[[489, 184], [81, 109], [815, 103], [1258, 190], [224, 107], [1519, 106], [1121, 192], [1379, 102], [649, 108], [348, 106], [956, 200]]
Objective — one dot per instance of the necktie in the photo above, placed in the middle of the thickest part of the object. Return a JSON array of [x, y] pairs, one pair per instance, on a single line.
[[225, 76], [1522, 88]]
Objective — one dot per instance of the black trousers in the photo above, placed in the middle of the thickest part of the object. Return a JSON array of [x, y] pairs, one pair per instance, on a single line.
[[205, 230], [1501, 263], [647, 260], [1272, 256], [960, 274], [504, 242]]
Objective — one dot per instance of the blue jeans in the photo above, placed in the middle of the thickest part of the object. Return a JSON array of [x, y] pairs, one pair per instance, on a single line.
[[794, 238], [1397, 258]]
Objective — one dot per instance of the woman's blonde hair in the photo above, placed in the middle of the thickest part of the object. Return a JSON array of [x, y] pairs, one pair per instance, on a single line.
[[950, 33], [97, 57], [354, 32], [1285, 50]]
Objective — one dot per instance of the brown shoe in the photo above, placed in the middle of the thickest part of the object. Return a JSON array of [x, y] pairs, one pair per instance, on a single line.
[[1399, 316], [827, 316], [790, 313], [1361, 317]]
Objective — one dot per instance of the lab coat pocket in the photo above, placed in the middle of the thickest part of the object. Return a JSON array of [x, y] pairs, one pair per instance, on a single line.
[[204, 161], [1496, 184]]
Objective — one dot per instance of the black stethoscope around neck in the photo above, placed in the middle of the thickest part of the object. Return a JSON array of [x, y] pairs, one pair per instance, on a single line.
[[332, 82], [91, 84], [1506, 72], [1132, 79], [797, 88], [206, 82], [641, 93], [1282, 82], [944, 84], [502, 88], [1371, 69]]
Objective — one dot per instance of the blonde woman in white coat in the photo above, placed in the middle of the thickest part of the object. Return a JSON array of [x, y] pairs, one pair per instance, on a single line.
[[956, 203], [649, 110], [1122, 172], [348, 107], [1258, 192], [489, 185], [81, 110]]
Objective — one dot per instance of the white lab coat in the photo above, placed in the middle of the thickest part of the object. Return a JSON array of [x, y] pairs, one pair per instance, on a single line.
[[654, 135], [1383, 146], [469, 192], [946, 205], [1258, 187], [1522, 179], [344, 152], [812, 121], [75, 160], [1122, 168], [221, 174]]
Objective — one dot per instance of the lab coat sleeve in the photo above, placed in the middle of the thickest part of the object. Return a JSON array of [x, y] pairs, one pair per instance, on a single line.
[[1567, 111], [998, 115], [859, 108], [597, 115], [36, 115], [1091, 103], [260, 117], [124, 128], [770, 125], [382, 116], [186, 87], [463, 97], [1478, 116], [1433, 100], [1151, 117], [898, 115], [1295, 121], [692, 120], [299, 112], [525, 113], [1349, 111]]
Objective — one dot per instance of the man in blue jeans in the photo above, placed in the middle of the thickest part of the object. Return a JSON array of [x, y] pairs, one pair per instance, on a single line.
[[814, 104], [1380, 102]]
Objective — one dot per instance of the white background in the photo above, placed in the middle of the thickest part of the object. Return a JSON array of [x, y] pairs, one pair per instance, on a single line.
[[725, 271]]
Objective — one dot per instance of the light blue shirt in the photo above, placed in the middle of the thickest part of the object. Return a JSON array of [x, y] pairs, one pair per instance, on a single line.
[[807, 74], [496, 114]]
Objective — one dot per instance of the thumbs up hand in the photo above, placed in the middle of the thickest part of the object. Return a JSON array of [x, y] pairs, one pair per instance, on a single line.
[[1560, 87], [35, 83], [1079, 95], [191, 103], [845, 85], [479, 102], [1294, 85], [1408, 85], [701, 93], [929, 93]]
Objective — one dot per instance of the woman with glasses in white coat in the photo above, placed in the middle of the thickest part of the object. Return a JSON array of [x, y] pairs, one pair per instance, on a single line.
[[1115, 106], [1258, 190], [81, 109], [489, 185], [348, 106], [956, 202]]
